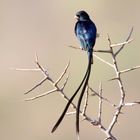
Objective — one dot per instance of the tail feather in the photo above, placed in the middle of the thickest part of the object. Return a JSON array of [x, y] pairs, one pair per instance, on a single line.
[[90, 56], [82, 92], [85, 79]]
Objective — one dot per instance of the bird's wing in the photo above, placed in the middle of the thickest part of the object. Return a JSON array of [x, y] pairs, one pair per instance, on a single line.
[[86, 33]]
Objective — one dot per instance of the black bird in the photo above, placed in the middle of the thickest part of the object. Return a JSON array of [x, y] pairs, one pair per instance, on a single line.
[[85, 31]]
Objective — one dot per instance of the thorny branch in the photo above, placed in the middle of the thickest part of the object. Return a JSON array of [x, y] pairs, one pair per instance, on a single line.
[[56, 88], [122, 91]]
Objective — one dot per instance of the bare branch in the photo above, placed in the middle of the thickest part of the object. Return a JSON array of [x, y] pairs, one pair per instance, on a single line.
[[101, 51], [71, 113], [40, 67], [131, 31], [100, 104], [94, 50], [104, 61], [112, 79], [132, 104], [40, 83], [56, 88], [75, 47], [20, 69], [65, 83], [86, 100], [123, 43], [63, 73], [130, 69], [41, 95]]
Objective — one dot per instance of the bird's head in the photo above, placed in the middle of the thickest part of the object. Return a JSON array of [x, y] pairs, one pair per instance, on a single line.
[[82, 16]]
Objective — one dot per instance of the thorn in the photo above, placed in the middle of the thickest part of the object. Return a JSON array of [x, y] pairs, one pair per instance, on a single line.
[[113, 79], [93, 94]]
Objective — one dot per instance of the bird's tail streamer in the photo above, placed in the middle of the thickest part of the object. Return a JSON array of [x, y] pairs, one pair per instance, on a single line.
[[83, 90]]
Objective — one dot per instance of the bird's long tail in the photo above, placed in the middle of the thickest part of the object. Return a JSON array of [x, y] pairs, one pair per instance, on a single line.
[[90, 58], [68, 104], [85, 79]]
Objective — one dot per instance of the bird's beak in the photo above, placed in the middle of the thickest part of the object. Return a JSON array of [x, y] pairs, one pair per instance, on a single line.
[[76, 17]]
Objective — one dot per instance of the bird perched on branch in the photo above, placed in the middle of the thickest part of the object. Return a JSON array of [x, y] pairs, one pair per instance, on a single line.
[[85, 31]]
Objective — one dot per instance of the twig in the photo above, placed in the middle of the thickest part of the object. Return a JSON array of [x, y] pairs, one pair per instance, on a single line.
[[39, 66], [86, 100], [100, 104], [103, 98], [20, 69], [65, 83], [131, 31], [56, 88], [63, 73], [104, 61], [120, 44], [40, 83], [130, 69], [71, 113], [112, 79], [132, 104], [94, 50], [41, 95]]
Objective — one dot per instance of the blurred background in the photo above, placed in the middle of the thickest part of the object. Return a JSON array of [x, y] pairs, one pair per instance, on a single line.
[[47, 27]]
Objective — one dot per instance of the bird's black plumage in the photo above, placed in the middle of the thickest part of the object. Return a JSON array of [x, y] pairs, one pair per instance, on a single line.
[[85, 31]]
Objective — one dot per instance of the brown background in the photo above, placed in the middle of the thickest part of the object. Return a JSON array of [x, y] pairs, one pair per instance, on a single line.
[[46, 27]]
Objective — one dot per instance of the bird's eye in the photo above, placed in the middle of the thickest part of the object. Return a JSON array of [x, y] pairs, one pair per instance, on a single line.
[[78, 16]]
